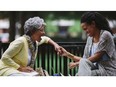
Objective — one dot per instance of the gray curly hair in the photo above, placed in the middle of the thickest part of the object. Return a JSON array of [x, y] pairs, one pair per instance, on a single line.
[[33, 24]]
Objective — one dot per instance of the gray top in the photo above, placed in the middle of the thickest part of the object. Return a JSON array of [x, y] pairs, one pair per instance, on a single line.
[[106, 43]]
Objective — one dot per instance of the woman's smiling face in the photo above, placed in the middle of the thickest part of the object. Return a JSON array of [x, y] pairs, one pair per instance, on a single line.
[[89, 28], [37, 35]]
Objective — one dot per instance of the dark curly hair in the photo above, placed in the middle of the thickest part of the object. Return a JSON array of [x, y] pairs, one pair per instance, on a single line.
[[100, 21]]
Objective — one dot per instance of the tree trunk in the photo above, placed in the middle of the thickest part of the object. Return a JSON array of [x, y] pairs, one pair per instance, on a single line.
[[22, 21], [12, 30]]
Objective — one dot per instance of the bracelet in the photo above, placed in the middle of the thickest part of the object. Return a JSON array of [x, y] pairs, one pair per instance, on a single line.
[[70, 55]]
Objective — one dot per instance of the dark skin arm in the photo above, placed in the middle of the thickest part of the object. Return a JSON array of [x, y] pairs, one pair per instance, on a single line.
[[96, 57], [93, 58], [69, 55]]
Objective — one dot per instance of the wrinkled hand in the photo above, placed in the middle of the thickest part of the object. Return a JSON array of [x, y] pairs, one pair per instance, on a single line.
[[25, 69], [63, 52], [58, 49], [73, 64]]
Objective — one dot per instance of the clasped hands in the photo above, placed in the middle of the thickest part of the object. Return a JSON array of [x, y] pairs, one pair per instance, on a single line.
[[25, 69], [62, 52]]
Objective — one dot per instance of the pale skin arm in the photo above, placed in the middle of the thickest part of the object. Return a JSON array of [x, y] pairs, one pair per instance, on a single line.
[[56, 46], [29, 69], [25, 69]]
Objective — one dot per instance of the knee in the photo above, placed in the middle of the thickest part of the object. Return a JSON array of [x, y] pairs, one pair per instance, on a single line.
[[83, 61]]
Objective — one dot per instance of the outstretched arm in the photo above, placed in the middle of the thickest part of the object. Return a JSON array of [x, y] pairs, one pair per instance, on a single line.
[[69, 55], [56, 46], [46, 39]]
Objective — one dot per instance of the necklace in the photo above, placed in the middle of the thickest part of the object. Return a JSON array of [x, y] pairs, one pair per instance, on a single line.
[[32, 49]]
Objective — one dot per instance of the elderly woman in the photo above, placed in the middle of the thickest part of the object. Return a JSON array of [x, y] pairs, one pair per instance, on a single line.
[[21, 53]]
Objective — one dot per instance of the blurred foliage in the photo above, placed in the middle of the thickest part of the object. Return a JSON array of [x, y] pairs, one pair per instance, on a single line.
[[22, 16], [51, 29], [75, 30]]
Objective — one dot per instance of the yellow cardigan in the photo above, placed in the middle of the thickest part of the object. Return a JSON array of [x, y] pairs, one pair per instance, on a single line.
[[17, 55]]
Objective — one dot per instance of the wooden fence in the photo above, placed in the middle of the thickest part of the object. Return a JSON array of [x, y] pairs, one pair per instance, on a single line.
[[48, 59]]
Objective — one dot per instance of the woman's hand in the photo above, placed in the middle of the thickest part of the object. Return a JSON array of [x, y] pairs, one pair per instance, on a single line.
[[69, 55], [73, 64], [63, 52], [25, 69], [58, 49], [56, 46]]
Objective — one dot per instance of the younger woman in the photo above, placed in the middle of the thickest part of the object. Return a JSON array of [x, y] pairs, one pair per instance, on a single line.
[[99, 57]]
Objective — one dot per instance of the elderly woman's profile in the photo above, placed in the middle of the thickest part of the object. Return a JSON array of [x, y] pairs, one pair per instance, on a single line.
[[19, 58]]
